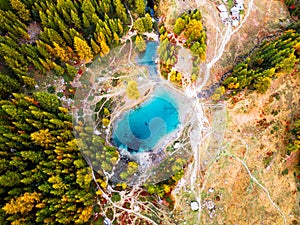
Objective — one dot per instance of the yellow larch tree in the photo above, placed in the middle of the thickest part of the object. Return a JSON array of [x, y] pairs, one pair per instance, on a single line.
[[23, 204], [83, 50], [104, 48], [60, 52], [21, 9], [132, 90]]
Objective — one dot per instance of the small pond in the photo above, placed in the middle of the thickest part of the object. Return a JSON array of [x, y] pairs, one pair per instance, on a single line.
[[143, 127]]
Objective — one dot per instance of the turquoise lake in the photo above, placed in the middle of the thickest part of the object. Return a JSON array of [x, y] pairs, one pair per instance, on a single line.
[[143, 127]]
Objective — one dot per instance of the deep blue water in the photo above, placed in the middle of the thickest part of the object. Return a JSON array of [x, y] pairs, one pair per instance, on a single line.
[[148, 59], [140, 129]]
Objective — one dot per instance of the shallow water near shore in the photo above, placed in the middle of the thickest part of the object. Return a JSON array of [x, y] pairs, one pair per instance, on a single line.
[[148, 59]]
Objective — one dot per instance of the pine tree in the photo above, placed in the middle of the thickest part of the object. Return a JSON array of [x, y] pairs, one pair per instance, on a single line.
[[14, 60], [104, 48], [112, 25], [41, 47], [179, 26], [74, 33], [72, 71], [140, 7], [60, 23], [85, 20], [262, 84], [28, 81], [95, 47], [67, 16], [54, 36], [60, 52], [139, 25], [148, 22], [59, 70], [132, 90], [22, 204], [75, 19], [120, 27], [88, 9], [120, 10], [21, 9], [116, 38], [48, 101], [193, 29], [100, 37], [140, 43], [83, 50], [8, 85]]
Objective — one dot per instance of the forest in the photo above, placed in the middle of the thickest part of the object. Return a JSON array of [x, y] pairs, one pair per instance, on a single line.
[[44, 178], [272, 59]]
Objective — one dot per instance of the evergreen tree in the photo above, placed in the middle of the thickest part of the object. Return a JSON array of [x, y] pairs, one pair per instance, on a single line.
[[45, 179], [120, 27], [28, 81], [83, 50], [140, 43], [75, 19], [140, 7], [139, 25], [193, 29], [72, 71], [88, 9], [14, 60], [179, 26], [21, 9], [59, 70], [262, 84], [148, 22], [66, 16], [43, 18], [60, 52], [116, 38], [120, 10], [95, 47], [132, 90], [104, 48], [85, 20], [8, 85], [268, 61]]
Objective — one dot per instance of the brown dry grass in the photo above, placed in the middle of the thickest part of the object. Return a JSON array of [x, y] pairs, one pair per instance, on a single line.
[[241, 200]]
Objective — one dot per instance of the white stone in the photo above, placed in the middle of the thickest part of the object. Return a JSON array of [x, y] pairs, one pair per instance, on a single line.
[[222, 8], [224, 15], [239, 1], [235, 10], [136, 208], [194, 206], [97, 132], [211, 190], [210, 205], [240, 6], [107, 221], [176, 145], [235, 23]]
